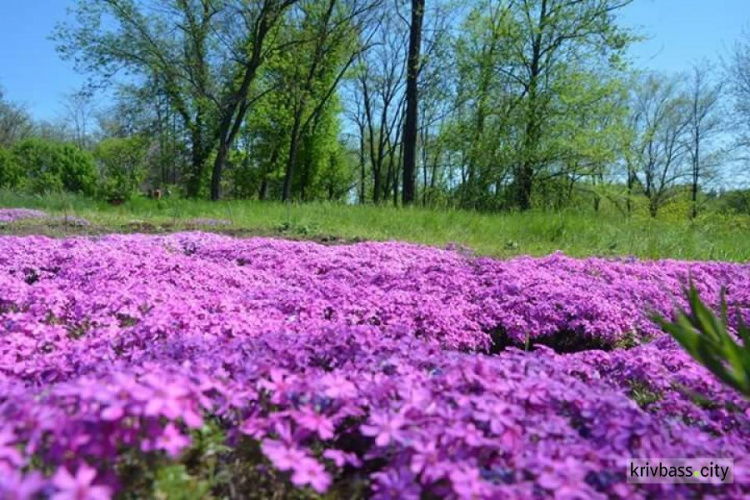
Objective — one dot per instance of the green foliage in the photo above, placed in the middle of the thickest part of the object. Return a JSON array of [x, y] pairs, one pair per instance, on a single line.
[[522, 119], [77, 170], [10, 173], [643, 395], [735, 202], [38, 161], [174, 482], [50, 166], [708, 340], [121, 165], [299, 107]]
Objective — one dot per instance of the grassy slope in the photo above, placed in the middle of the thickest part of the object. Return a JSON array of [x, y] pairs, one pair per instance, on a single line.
[[500, 235]]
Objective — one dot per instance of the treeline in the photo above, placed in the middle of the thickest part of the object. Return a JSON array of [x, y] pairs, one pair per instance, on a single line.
[[488, 105]]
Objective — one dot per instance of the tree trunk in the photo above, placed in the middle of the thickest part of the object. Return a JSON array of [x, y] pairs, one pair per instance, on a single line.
[[525, 175], [653, 207], [376, 183], [696, 176], [412, 103], [532, 132], [362, 170], [197, 164], [221, 158], [237, 104], [263, 192], [292, 160]]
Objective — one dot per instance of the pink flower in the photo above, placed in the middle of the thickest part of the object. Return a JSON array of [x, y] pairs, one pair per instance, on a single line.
[[78, 487], [395, 483], [426, 461], [566, 480], [310, 472], [169, 400], [313, 421], [172, 441], [8, 452], [254, 427], [342, 458], [384, 427], [282, 456], [15, 486], [113, 412], [338, 386], [467, 483]]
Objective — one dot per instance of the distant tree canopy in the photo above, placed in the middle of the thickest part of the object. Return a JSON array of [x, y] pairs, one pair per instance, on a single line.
[[492, 105]]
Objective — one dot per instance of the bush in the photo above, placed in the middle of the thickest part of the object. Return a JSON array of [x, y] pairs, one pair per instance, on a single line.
[[77, 169], [10, 174], [121, 165], [52, 166]]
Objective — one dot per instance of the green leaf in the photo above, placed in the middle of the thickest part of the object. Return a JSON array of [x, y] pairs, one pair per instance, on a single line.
[[707, 338]]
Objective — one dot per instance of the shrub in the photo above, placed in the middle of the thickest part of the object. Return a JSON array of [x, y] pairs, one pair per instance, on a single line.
[[52, 166], [77, 169], [10, 174], [121, 167]]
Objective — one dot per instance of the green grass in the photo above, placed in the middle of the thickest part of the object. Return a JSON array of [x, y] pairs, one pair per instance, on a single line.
[[711, 237]]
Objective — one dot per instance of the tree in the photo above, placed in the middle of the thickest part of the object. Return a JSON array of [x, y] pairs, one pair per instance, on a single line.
[[738, 73], [705, 123], [412, 101], [334, 33], [260, 21], [79, 111], [661, 127], [15, 123], [552, 36], [122, 166], [534, 78], [202, 54], [377, 91], [436, 95], [481, 134]]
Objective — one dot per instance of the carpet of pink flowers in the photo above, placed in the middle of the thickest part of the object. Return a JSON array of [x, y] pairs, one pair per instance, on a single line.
[[375, 370]]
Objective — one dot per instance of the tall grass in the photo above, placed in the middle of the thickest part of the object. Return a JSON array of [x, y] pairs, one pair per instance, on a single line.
[[711, 237]]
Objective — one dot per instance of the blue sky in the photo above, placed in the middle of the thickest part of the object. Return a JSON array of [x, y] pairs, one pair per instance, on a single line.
[[680, 32]]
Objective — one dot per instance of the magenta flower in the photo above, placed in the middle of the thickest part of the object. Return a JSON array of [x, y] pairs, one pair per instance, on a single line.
[[566, 480], [395, 483], [384, 427], [80, 486], [342, 458], [282, 456], [426, 461], [8, 450], [172, 441], [14, 485], [169, 400], [313, 421], [338, 386], [467, 483], [309, 472]]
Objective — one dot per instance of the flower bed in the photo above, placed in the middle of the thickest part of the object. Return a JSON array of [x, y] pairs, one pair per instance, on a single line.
[[8, 215], [205, 363], [16, 214]]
